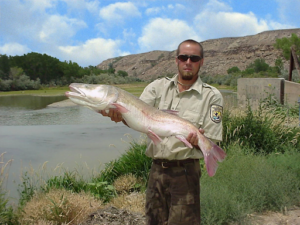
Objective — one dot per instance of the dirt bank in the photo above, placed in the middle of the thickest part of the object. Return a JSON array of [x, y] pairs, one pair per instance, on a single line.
[[114, 216]]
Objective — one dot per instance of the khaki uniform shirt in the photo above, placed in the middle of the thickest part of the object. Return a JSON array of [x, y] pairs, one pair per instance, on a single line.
[[202, 105]]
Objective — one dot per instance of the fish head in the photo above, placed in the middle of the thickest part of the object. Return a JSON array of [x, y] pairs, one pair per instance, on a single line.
[[96, 97]]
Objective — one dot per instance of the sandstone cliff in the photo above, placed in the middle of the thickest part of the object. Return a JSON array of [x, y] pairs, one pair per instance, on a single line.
[[219, 55]]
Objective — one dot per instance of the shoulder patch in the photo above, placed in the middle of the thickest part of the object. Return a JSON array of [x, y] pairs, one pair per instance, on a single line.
[[216, 113]]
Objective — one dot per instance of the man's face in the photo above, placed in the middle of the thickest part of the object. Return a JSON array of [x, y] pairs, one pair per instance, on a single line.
[[188, 70]]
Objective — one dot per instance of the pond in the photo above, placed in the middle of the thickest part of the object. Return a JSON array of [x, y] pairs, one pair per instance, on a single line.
[[40, 138]]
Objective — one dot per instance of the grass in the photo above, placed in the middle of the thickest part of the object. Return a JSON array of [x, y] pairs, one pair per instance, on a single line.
[[134, 88], [244, 184], [42, 92], [59, 206], [7, 215]]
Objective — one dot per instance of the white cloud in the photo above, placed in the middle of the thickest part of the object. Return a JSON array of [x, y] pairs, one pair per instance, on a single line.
[[228, 24], [59, 29], [79, 6], [218, 20], [14, 49], [153, 10], [165, 34], [119, 11], [40, 5], [216, 6], [92, 52], [171, 8]]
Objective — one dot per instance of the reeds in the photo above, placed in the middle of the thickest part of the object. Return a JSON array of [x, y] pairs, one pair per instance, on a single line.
[[6, 211]]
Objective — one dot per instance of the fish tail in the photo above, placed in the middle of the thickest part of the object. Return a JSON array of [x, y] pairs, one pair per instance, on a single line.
[[211, 157]]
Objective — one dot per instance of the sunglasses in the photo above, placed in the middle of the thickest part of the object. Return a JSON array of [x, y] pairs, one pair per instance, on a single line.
[[194, 58]]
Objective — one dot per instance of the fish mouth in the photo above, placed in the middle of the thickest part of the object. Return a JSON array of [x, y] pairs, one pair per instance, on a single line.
[[75, 92]]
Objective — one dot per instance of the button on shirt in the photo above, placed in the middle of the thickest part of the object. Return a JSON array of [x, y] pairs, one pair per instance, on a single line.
[[196, 104]]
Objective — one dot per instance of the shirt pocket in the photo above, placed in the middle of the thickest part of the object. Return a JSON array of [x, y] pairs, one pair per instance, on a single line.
[[194, 117]]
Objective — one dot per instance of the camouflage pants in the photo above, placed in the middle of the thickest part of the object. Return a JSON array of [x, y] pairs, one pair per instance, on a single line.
[[173, 195]]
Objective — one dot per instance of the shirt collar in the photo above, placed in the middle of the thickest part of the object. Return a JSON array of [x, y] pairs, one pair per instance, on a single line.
[[197, 86]]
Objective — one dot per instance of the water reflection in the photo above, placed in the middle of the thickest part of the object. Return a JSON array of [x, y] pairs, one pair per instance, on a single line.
[[28, 102]]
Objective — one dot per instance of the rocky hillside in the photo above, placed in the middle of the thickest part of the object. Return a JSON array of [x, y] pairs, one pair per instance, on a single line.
[[219, 55]]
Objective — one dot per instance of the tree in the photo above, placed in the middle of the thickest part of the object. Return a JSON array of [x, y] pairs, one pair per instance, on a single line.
[[122, 73], [4, 67], [111, 68], [259, 65], [278, 65], [285, 45], [15, 73], [234, 69]]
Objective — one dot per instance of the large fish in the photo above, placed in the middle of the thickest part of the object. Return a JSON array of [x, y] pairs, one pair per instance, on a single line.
[[144, 118]]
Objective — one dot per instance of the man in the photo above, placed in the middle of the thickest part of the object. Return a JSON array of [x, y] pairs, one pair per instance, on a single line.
[[173, 192]]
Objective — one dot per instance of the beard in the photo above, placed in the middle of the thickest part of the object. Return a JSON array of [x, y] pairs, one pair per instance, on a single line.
[[188, 75]]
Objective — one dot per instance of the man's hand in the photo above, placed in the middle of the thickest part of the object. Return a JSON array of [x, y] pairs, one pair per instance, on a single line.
[[114, 115], [193, 139]]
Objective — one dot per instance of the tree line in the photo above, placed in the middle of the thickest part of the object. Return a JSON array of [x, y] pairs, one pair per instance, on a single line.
[[34, 70]]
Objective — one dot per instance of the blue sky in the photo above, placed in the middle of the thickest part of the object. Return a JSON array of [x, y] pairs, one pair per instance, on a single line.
[[90, 31]]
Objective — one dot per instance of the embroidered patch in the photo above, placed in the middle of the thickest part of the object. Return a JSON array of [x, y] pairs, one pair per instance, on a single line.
[[216, 112]]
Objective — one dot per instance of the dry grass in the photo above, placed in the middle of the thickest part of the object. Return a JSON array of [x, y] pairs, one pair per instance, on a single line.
[[4, 168], [125, 184], [127, 199], [59, 207], [134, 202]]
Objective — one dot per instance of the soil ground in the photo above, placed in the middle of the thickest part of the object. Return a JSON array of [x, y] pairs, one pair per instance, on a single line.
[[114, 216]]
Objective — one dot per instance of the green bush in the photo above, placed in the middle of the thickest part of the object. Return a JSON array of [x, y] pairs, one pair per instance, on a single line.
[[234, 69], [134, 162], [250, 183], [263, 131]]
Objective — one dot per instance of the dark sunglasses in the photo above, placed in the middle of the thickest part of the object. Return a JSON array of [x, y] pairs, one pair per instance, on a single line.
[[194, 58]]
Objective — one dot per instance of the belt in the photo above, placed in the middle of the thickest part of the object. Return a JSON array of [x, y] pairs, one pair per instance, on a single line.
[[173, 163]]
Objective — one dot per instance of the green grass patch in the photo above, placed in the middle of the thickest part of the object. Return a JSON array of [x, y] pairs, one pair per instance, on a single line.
[[245, 184], [134, 88]]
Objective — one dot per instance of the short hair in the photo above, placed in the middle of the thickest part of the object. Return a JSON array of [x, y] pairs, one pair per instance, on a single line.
[[194, 42]]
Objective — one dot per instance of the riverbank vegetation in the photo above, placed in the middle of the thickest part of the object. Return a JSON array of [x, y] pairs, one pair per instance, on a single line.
[[34, 71], [261, 173], [135, 88]]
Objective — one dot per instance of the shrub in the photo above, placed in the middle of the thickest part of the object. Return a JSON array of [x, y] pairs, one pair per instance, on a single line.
[[234, 69], [263, 131], [245, 184], [59, 206], [126, 184], [133, 161]]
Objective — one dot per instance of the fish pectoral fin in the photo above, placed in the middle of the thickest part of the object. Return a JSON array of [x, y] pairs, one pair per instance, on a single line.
[[120, 108], [154, 137], [183, 139]]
